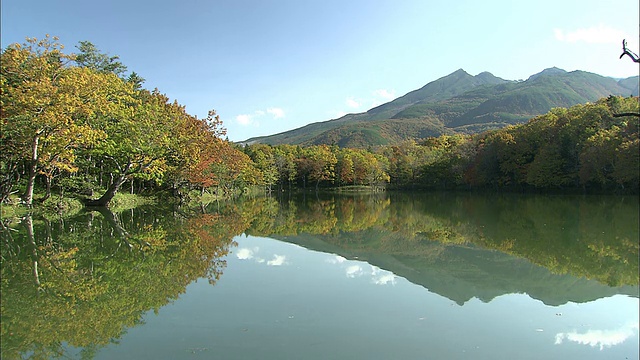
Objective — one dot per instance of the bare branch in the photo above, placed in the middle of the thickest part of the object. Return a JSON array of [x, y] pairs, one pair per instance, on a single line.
[[626, 51]]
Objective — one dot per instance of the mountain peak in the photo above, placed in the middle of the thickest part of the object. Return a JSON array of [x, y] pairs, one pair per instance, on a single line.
[[489, 78], [458, 103], [553, 71], [458, 73]]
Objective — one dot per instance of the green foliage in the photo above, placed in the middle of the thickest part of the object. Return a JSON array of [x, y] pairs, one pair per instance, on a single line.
[[90, 57], [593, 237], [584, 146], [78, 129], [83, 127]]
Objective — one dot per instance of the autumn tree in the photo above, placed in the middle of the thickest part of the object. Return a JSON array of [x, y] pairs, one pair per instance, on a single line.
[[285, 156], [317, 163], [47, 107], [264, 160], [140, 138], [345, 167], [198, 145]]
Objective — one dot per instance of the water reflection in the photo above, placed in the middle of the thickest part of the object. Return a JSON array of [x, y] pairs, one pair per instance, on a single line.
[[361, 269], [252, 254], [600, 338], [278, 260], [84, 282], [463, 246]]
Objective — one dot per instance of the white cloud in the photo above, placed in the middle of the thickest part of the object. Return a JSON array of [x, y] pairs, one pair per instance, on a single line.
[[277, 260], [600, 338], [376, 98], [276, 112], [352, 103], [244, 119], [385, 94], [251, 119], [600, 34]]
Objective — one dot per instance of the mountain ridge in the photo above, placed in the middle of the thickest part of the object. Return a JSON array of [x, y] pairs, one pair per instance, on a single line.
[[457, 103]]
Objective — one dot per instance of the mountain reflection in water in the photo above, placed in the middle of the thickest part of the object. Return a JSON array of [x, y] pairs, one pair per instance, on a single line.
[[81, 282]]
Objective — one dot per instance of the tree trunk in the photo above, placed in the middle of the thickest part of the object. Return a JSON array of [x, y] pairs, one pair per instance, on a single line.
[[105, 199], [101, 172], [33, 167], [115, 223], [48, 188], [28, 223]]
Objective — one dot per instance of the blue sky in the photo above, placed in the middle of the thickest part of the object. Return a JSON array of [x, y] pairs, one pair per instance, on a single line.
[[271, 66]]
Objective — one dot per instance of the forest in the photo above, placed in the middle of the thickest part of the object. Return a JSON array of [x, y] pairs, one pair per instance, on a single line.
[[82, 125]]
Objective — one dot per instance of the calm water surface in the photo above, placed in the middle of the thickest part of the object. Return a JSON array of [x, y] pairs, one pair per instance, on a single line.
[[439, 276]]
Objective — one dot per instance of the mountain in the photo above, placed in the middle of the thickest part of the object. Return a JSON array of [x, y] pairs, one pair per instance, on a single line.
[[458, 103], [547, 72], [442, 89], [632, 84]]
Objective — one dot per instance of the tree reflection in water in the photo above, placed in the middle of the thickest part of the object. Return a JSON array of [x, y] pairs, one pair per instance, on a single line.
[[84, 281], [81, 282]]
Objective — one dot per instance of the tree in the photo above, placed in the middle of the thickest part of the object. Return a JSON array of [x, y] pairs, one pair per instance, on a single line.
[[47, 106], [135, 80], [344, 167], [264, 160], [374, 169], [140, 138], [405, 163], [318, 163], [90, 57], [198, 146], [285, 156], [597, 159]]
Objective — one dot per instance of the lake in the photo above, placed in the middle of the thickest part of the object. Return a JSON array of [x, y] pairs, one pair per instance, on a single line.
[[322, 276]]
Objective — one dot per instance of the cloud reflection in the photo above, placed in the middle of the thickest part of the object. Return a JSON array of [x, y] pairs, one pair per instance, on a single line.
[[251, 254], [385, 279], [382, 277], [336, 260], [354, 270], [245, 254], [277, 260], [600, 338]]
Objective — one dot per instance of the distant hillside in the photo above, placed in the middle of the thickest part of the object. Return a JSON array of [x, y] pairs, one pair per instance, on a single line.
[[458, 103]]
